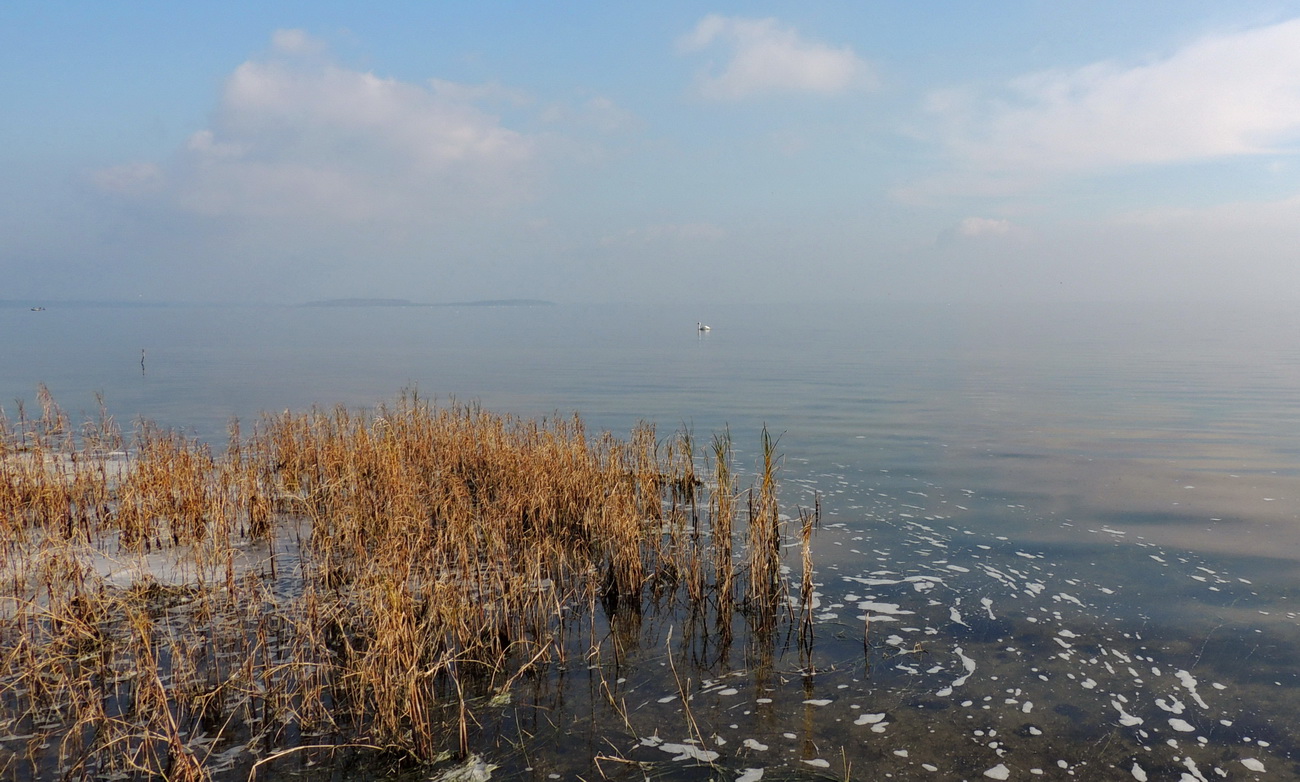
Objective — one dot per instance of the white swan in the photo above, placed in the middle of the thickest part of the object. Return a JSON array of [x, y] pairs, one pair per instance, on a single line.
[[701, 327]]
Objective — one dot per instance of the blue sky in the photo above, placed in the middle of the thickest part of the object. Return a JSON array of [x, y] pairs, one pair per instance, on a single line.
[[671, 151]]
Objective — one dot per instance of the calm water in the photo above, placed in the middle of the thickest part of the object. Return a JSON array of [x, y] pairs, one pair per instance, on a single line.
[[1068, 525]]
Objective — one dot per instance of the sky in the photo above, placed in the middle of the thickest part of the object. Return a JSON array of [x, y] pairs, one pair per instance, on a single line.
[[1028, 150]]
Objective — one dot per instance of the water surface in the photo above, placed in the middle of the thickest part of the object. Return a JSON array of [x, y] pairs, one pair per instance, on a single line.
[[1069, 532]]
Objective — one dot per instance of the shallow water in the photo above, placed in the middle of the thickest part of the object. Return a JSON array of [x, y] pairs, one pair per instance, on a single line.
[[1073, 530]]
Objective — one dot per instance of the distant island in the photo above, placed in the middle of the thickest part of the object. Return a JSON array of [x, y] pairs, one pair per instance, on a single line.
[[409, 303]]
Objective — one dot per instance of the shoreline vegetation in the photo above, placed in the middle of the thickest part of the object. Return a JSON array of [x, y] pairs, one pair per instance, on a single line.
[[371, 585]]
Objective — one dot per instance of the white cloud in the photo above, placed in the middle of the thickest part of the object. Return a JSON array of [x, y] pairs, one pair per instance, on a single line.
[[297, 136], [764, 57], [296, 42], [983, 226], [1226, 95], [970, 232]]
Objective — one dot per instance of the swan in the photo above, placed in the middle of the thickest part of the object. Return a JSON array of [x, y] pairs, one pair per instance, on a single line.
[[701, 327]]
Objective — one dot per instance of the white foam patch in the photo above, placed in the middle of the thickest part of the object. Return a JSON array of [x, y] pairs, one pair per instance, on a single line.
[[882, 608], [967, 663], [1252, 764], [1189, 683], [818, 763], [754, 745], [1000, 771], [1181, 725], [1196, 772], [690, 752], [750, 775], [1126, 719], [869, 719], [1139, 773]]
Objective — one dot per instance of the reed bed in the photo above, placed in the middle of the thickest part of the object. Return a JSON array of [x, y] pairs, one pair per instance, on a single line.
[[342, 579]]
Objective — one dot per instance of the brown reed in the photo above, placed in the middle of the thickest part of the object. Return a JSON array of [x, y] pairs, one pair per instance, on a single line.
[[765, 534], [806, 597], [365, 576]]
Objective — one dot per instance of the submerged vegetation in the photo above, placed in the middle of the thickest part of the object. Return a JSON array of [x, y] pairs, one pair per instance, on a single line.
[[370, 582]]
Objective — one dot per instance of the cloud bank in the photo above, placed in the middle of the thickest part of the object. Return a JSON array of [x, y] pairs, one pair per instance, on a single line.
[[296, 136], [762, 57], [1227, 95]]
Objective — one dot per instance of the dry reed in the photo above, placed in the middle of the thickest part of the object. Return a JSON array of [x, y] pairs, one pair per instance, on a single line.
[[338, 577]]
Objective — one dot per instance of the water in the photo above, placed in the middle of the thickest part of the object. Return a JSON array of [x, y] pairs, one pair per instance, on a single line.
[[1073, 530]]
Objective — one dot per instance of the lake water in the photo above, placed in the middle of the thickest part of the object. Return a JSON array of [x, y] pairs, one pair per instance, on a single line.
[[1072, 531]]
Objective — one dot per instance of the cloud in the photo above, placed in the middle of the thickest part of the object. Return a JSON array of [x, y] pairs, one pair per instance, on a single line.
[[764, 57], [1222, 96], [296, 42], [296, 135], [983, 226], [971, 231]]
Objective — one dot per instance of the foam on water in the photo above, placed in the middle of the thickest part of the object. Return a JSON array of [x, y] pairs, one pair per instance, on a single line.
[[1049, 671]]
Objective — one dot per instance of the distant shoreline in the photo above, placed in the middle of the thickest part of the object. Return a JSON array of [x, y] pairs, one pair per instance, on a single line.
[[24, 304], [408, 303]]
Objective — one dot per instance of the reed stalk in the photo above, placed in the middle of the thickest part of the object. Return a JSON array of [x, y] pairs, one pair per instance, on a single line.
[[765, 582]]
